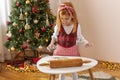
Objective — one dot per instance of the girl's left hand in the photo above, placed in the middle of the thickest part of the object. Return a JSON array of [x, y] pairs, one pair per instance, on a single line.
[[89, 45]]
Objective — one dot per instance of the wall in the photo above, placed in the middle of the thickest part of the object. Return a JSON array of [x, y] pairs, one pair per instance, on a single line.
[[100, 25]]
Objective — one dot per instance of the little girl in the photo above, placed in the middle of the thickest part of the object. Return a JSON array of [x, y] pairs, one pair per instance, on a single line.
[[67, 34]]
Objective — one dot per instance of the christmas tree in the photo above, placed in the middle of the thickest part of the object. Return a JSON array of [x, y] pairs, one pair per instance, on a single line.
[[30, 25]]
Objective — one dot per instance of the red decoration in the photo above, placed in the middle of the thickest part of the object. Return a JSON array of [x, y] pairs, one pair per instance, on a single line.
[[35, 60], [25, 46], [34, 9], [8, 38], [51, 25], [43, 29], [21, 31], [8, 23], [22, 66], [18, 4]]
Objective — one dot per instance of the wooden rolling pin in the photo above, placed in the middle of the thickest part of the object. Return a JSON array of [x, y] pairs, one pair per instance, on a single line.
[[65, 63]]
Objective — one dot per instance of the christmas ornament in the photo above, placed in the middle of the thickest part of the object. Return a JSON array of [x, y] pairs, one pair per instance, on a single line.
[[43, 29], [27, 1], [46, 40], [40, 47], [28, 41], [8, 38], [51, 25], [36, 21], [18, 4], [25, 46], [35, 9], [47, 21], [21, 15], [27, 26], [9, 34], [12, 49], [21, 31], [26, 13], [15, 24], [8, 23]]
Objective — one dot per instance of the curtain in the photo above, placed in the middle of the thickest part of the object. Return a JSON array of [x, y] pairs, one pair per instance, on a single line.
[[5, 7]]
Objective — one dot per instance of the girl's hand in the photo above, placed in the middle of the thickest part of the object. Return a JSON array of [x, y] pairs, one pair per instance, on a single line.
[[51, 47], [89, 45]]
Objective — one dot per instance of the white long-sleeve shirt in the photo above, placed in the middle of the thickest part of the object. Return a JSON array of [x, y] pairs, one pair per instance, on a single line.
[[68, 29]]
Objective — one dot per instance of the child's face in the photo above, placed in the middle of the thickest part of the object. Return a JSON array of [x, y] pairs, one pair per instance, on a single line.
[[66, 20]]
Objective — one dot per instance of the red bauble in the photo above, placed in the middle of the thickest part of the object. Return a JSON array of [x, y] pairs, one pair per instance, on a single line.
[[21, 31], [18, 4], [51, 25], [8, 38], [43, 29], [25, 47], [34, 9], [8, 23]]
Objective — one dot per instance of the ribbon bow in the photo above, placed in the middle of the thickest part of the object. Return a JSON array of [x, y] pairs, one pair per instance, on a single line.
[[68, 8]]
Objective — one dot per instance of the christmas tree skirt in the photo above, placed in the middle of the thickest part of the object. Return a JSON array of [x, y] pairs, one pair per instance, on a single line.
[[98, 75]]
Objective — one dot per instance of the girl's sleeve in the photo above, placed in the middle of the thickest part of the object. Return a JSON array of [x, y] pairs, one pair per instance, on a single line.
[[80, 37], [55, 33]]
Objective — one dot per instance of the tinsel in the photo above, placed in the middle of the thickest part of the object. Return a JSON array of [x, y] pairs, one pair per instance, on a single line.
[[110, 65], [30, 68]]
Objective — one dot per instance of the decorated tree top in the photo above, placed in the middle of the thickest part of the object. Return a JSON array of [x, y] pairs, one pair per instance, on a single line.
[[30, 25]]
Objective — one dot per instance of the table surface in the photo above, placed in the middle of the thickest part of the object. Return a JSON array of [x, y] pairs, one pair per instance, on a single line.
[[47, 69]]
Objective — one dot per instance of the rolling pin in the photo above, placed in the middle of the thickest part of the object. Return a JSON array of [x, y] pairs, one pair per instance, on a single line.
[[62, 63]]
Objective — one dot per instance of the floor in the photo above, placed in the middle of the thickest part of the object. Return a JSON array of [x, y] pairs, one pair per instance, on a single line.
[[6, 74]]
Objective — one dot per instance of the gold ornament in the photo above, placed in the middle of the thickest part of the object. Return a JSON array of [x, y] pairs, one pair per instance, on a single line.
[[12, 49], [46, 40], [21, 16], [36, 21], [27, 1], [26, 13], [27, 26], [15, 24]]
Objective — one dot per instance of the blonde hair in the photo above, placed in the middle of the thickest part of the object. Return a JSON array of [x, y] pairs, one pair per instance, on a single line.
[[64, 11]]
